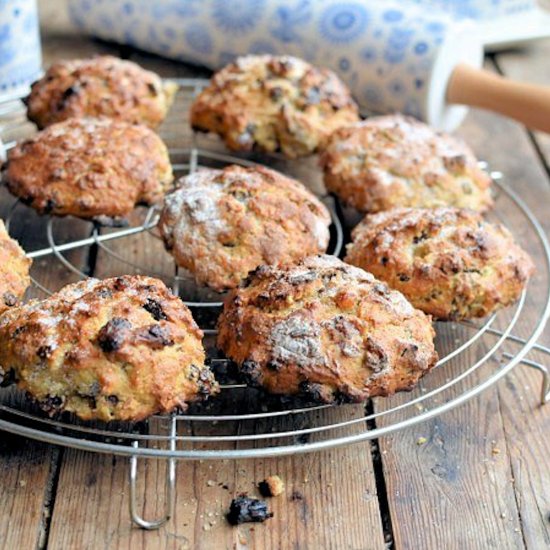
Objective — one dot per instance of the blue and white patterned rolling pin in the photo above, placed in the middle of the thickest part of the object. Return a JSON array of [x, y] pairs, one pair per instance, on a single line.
[[393, 59], [20, 54]]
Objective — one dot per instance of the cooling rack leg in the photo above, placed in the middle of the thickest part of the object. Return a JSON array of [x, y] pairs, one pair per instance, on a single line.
[[545, 386], [170, 486]]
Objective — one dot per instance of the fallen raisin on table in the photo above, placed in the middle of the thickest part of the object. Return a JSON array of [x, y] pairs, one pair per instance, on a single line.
[[245, 510]]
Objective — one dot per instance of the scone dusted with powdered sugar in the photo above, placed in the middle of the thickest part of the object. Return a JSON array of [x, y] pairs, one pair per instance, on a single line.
[[397, 161], [325, 329], [119, 349], [90, 168], [274, 103], [222, 224], [449, 262]]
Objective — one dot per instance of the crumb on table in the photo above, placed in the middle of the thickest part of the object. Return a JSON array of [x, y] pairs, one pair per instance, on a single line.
[[271, 486]]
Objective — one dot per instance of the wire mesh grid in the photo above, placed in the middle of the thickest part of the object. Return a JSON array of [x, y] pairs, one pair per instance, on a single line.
[[242, 422]]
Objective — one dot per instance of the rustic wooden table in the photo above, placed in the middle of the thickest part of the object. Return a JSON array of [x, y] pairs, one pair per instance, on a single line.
[[480, 480]]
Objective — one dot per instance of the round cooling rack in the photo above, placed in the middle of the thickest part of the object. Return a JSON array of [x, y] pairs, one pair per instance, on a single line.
[[241, 422]]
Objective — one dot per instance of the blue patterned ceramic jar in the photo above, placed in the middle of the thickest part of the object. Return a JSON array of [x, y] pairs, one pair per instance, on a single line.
[[20, 54], [393, 57]]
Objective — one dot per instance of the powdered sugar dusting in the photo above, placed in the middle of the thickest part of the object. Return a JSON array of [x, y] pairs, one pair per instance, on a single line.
[[400, 305], [49, 314], [195, 203], [321, 233], [330, 263], [345, 334], [297, 340]]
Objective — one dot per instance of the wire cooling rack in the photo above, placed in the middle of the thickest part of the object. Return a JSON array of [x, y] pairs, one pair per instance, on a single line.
[[241, 422]]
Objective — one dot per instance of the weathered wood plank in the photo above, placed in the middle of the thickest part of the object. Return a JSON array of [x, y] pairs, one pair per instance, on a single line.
[[27, 469], [445, 487], [526, 423]]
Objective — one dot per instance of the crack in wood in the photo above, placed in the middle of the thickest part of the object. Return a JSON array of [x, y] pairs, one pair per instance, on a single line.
[[91, 258], [49, 497], [380, 480]]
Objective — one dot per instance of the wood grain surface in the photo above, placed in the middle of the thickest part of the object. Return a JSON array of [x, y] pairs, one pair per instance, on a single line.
[[476, 477]]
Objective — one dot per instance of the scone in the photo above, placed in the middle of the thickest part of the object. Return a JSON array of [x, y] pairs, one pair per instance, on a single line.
[[271, 103], [102, 86], [119, 349], [397, 161], [221, 224], [325, 329], [89, 168], [14, 270], [448, 262]]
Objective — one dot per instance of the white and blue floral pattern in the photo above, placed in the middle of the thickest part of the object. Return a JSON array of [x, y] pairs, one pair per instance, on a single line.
[[198, 38], [235, 16], [288, 19], [384, 50], [344, 22], [20, 60], [479, 9]]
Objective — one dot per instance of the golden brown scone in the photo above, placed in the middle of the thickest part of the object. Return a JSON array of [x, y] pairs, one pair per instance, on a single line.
[[325, 329], [102, 86], [447, 261], [221, 224], [119, 349], [271, 103], [14, 270], [394, 160], [89, 168]]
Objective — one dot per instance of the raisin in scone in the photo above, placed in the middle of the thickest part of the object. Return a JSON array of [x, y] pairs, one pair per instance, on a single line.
[[325, 329], [221, 224], [273, 103], [396, 161], [119, 349], [102, 86], [14, 271], [448, 262], [89, 168]]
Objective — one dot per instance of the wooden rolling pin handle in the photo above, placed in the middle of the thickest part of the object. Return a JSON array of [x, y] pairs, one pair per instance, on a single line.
[[526, 103]]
